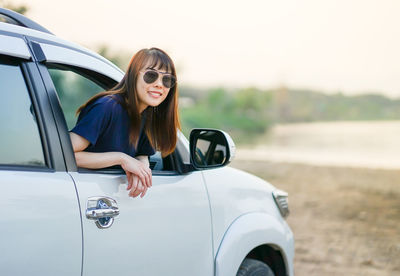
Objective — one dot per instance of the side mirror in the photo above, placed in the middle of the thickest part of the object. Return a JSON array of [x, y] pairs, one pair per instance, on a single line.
[[210, 148]]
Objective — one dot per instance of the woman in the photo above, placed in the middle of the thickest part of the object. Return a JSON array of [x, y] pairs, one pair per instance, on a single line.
[[124, 125]]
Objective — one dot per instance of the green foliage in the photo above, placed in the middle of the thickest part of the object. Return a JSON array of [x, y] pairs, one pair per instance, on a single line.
[[73, 90], [240, 113], [120, 59], [305, 106], [248, 112], [22, 9]]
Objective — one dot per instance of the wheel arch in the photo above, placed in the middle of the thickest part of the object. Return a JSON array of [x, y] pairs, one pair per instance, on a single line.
[[271, 256], [257, 235]]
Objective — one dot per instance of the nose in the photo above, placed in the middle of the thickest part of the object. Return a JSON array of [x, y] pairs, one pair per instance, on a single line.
[[158, 82]]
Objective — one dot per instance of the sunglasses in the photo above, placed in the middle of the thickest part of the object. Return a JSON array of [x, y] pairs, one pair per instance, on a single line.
[[151, 76]]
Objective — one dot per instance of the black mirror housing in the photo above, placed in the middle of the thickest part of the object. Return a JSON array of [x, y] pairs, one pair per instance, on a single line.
[[210, 148]]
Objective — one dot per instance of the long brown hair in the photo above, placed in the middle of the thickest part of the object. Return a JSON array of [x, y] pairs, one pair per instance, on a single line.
[[162, 121]]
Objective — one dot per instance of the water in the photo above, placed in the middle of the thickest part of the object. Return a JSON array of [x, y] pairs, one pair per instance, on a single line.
[[369, 144]]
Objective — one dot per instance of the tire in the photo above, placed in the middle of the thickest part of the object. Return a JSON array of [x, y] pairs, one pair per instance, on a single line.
[[250, 267]]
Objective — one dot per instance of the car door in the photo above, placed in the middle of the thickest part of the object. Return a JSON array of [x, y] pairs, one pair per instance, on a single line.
[[40, 224], [168, 232]]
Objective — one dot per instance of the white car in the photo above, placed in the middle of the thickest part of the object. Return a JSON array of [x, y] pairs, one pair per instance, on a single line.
[[200, 218]]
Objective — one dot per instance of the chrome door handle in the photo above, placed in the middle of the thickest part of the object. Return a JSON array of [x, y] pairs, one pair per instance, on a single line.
[[101, 213], [102, 210]]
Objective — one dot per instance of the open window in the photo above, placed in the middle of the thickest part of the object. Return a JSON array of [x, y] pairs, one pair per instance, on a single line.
[[74, 86]]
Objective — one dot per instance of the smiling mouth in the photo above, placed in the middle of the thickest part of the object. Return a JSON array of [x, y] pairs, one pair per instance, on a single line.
[[155, 94]]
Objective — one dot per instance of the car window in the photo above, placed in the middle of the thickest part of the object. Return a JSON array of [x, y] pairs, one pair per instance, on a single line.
[[73, 89], [75, 86], [20, 142]]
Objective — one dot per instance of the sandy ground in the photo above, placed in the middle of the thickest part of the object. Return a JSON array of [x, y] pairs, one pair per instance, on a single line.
[[346, 221], [343, 180]]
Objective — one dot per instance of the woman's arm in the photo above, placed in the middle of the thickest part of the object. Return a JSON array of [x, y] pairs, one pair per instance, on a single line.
[[97, 160], [144, 159], [93, 160], [135, 181]]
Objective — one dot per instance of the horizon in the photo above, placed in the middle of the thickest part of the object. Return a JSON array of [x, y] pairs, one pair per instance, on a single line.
[[235, 89]]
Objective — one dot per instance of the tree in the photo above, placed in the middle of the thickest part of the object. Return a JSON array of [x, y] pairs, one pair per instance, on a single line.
[[22, 9], [120, 59]]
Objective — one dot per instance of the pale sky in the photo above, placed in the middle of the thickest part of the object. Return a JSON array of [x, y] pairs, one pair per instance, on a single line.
[[331, 45]]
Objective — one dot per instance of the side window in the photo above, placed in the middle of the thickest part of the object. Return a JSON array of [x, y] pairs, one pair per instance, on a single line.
[[75, 86], [73, 89], [20, 142]]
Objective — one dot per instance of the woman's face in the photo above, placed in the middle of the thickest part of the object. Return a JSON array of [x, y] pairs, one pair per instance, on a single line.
[[151, 94]]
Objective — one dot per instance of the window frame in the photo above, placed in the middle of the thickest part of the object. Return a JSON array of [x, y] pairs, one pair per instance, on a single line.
[[58, 113], [103, 81], [94, 67]]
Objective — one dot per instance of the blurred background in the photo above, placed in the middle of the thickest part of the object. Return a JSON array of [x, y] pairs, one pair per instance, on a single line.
[[308, 89]]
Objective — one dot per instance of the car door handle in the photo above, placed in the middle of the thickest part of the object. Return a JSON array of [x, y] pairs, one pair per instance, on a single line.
[[102, 210], [101, 213]]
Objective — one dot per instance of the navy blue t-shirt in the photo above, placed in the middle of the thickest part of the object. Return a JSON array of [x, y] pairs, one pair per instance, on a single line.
[[105, 124]]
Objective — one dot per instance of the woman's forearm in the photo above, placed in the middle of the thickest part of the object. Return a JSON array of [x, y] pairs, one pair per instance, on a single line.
[[144, 159], [98, 160]]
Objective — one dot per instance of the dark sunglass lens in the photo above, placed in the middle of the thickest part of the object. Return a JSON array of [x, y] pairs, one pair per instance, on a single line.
[[168, 81], [150, 76]]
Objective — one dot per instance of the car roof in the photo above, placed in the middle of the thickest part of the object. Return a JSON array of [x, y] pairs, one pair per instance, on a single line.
[[13, 17], [47, 37]]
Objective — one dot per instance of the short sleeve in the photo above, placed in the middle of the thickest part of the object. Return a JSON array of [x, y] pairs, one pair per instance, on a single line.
[[94, 119], [144, 147]]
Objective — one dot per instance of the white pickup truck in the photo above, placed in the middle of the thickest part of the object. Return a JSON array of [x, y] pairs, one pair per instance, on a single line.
[[200, 218]]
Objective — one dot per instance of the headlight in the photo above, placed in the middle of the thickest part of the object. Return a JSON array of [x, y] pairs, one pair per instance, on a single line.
[[282, 201]]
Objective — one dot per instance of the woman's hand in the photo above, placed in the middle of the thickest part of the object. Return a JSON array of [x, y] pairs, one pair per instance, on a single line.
[[138, 174], [137, 170], [135, 186]]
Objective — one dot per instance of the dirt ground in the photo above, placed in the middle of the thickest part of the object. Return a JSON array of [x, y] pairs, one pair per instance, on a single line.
[[346, 221]]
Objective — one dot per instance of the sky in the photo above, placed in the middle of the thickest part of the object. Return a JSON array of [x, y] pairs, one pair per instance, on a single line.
[[348, 46]]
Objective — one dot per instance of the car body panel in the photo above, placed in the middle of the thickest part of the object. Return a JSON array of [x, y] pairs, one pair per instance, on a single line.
[[52, 39], [168, 232], [248, 232], [41, 227], [61, 55], [247, 193], [233, 194], [14, 46]]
